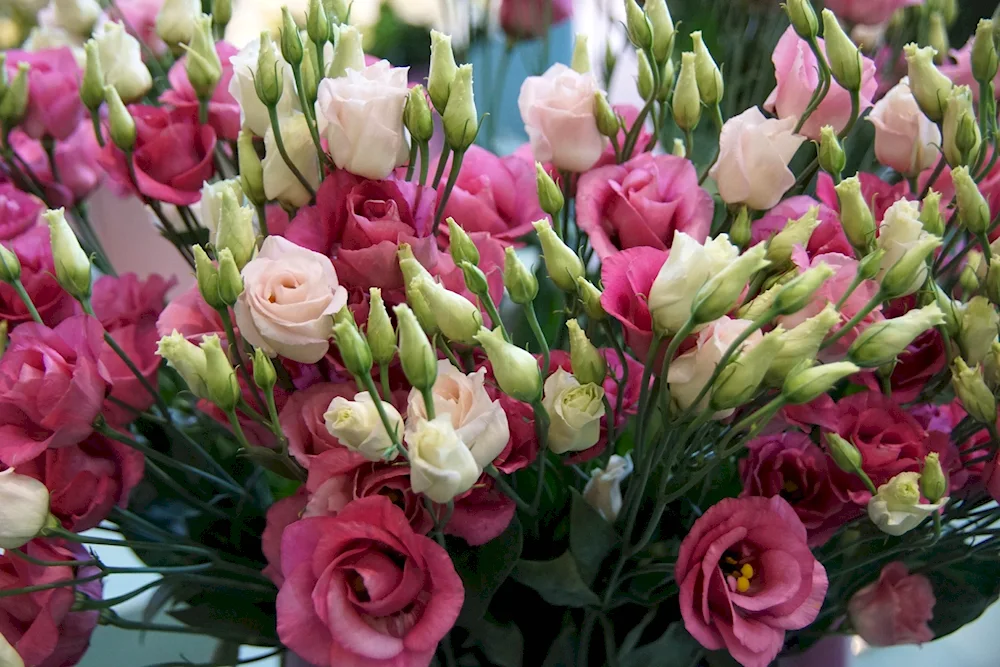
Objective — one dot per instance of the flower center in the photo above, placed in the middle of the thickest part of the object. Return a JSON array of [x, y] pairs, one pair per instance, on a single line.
[[740, 572], [357, 584]]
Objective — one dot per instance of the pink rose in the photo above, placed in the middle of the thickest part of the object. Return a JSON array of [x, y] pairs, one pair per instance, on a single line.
[[905, 139], [52, 386], [721, 605], [19, 212], [868, 12], [879, 194], [370, 609], [790, 465], [797, 73], [895, 609], [174, 155], [627, 277], [829, 237], [642, 203], [960, 72], [38, 277], [522, 448], [370, 480], [188, 314], [223, 110], [530, 19], [76, 163], [54, 106], [128, 299], [280, 515]]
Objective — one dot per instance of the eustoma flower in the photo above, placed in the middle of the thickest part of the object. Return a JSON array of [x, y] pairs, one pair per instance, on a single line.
[[894, 609]]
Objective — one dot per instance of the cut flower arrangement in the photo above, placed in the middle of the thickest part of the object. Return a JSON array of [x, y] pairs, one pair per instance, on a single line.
[[737, 405]]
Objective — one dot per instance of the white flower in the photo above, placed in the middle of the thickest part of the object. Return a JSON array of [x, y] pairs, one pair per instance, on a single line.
[[279, 181], [900, 231], [24, 509], [121, 62], [252, 17], [210, 206], [575, 412], [604, 490], [358, 426], [253, 114], [441, 466], [478, 420], [74, 16], [175, 24], [896, 508]]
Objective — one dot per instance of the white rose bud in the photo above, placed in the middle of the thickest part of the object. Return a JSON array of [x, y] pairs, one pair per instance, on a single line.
[[175, 24], [121, 61], [24, 509], [187, 359], [575, 412], [441, 466], [253, 113], [358, 426], [896, 508], [72, 263], [279, 181], [604, 490]]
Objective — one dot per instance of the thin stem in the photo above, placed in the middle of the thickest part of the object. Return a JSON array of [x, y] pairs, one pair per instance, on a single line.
[[861, 314], [542, 431], [236, 356], [411, 163], [26, 299], [633, 134], [491, 309], [61, 583], [241, 437], [108, 617], [934, 176], [536, 329], [276, 129], [383, 371], [310, 117], [428, 395], [442, 164], [262, 220], [95, 119], [456, 166], [717, 119], [821, 90], [425, 161], [855, 112], [509, 491]]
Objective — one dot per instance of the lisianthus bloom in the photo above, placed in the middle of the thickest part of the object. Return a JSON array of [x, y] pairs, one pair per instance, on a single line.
[[76, 163], [223, 109], [876, 192], [188, 314], [828, 237], [19, 212], [894, 609], [530, 19], [53, 303], [868, 12], [628, 277], [54, 106]]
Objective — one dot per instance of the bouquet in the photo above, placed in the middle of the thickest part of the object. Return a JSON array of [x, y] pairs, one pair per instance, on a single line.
[[696, 383]]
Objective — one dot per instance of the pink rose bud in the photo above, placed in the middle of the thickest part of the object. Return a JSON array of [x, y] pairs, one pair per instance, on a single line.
[[895, 609]]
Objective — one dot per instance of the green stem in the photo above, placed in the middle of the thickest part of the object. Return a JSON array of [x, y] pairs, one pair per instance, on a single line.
[[26, 299], [276, 129], [108, 617], [636, 129], [425, 162], [491, 309], [411, 164], [861, 314], [442, 164], [542, 431], [383, 371], [241, 437], [508, 490], [536, 329], [821, 90], [567, 192], [934, 176], [366, 383], [310, 117], [855, 112], [95, 119], [61, 583], [456, 167], [428, 396], [236, 356]]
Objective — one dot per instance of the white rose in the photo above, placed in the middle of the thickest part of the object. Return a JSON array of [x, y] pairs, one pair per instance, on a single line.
[[175, 24], [900, 231], [358, 425], [289, 298], [689, 372], [558, 113], [361, 116], [210, 206], [480, 421], [905, 139], [24, 509], [896, 508], [575, 412], [74, 16], [9, 657], [279, 181], [253, 114], [121, 62], [604, 490], [441, 466], [688, 267]]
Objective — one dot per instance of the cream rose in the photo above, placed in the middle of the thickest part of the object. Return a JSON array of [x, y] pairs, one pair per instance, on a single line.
[[121, 62], [575, 412], [253, 113], [288, 302], [361, 116], [358, 425], [24, 509], [478, 420], [441, 466], [558, 113], [900, 231], [279, 181], [604, 490], [896, 508], [754, 153], [905, 139]]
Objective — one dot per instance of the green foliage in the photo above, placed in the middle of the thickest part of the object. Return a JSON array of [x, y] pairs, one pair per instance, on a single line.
[[591, 538], [484, 569], [558, 581]]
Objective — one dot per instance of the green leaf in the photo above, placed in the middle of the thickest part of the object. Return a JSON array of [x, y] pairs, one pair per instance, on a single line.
[[682, 648], [558, 581], [483, 570], [226, 653], [502, 644], [963, 591], [563, 649], [591, 538]]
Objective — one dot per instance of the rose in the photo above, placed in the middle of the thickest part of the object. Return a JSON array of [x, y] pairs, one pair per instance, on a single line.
[[754, 153], [173, 156], [876, 192], [76, 159], [121, 63], [38, 277], [441, 465], [894, 609], [479, 421], [530, 19], [128, 299], [867, 12], [385, 592], [358, 426], [905, 139], [24, 509], [223, 109], [558, 113], [361, 116], [642, 203], [254, 115], [289, 298], [19, 212], [54, 106], [309, 441], [628, 277], [575, 412], [280, 182], [746, 610], [827, 237], [188, 314]]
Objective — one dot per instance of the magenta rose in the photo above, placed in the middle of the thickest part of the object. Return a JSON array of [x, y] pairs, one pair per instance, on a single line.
[[895, 609], [826, 238], [363, 588], [482, 513], [42, 626], [223, 109], [868, 12], [173, 156], [746, 611], [642, 203], [280, 515], [530, 19], [790, 465], [19, 212], [879, 194], [76, 163], [522, 447], [54, 106], [38, 277], [627, 277]]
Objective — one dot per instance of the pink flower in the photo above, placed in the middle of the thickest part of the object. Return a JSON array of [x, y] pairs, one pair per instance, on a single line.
[[522, 448], [721, 605], [628, 277], [280, 515], [895, 609], [19, 212], [530, 19], [188, 314], [128, 299], [54, 106], [642, 203], [52, 386], [370, 609], [868, 12], [790, 465], [139, 18], [76, 163], [827, 238], [797, 74], [905, 139], [370, 480], [879, 194], [174, 155], [42, 626], [223, 110], [482, 513], [38, 277], [960, 72]]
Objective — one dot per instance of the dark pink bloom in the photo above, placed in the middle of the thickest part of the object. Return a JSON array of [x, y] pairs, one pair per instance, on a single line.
[[627, 277], [19, 212], [530, 19], [785, 592], [223, 110], [482, 513], [960, 72], [879, 194], [54, 106], [38, 277], [362, 588], [642, 203], [522, 448], [128, 299], [280, 515], [895, 609], [76, 164], [188, 314], [829, 237], [42, 627]]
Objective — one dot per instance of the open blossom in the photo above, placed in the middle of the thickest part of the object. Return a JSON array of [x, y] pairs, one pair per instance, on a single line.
[[575, 412], [38, 277], [121, 62], [628, 278], [894, 609], [19, 212], [905, 139], [868, 12], [899, 231], [529, 19], [441, 466], [54, 106], [827, 237], [280, 182], [253, 114], [897, 508]]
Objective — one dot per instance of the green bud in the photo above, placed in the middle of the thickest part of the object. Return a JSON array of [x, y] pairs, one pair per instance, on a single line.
[[442, 70], [971, 389], [381, 335], [458, 318], [516, 370], [291, 43], [832, 158], [680, 150], [564, 266], [14, 102], [640, 32], [354, 350], [417, 115], [175, 21], [973, 209], [236, 230], [933, 484], [930, 214], [722, 291], [610, 57], [519, 281], [795, 233], [666, 82], [230, 280], [960, 130], [740, 231], [883, 341], [92, 86], [803, 18], [871, 264], [760, 304], [475, 279], [855, 216], [460, 245], [220, 378], [120, 121], [208, 278], [977, 329], [73, 271], [608, 123], [687, 100], [550, 195], [203, 67], [187, 359], [984, 52], [581, 58], [740, 380], [589, 365], [344, 315], [251, 169], [843, 54], [590, 297], [710, 84], [269, 81], [222, 13], [337, 10], [993, 280], [460, 118], [937, 36], [10, 265], [644, 81], [663, 29], [910, 271], [347, 52], [953, 311], [317, 22], [806, 384], [930, 87], [801, 343], [412, 270], [264, 375], [844, 453], [310, 75], [797, 293], [415, 351], [991, 366]]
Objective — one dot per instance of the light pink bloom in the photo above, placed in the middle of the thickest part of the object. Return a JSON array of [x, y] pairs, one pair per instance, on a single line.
[[895, 609], [868, 12], [905, 139]]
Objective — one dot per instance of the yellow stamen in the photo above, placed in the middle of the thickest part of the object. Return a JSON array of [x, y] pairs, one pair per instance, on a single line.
[[730, 560], [790, 487], [747, 571], [742, 584]]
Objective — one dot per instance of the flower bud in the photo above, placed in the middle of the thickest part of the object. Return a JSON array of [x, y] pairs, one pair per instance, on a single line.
[[722, 291], [222, 13], [795, 233], [441, 465], [687, 100], [807, 384], [801, 343], [930, 214], [933, 483], [740, 231], [236, 230], [175, 22], [347, 52], [337, 10], [993, 280], [984, 52], [550, 196], [92, 85], [208, 278], [710, 84], [118, 61], [515, 369], [590, 297], [741, 378], [896, 508], [968, 279], [10, 265], [353, 348], [264, 375], [960, 131], [417, 115], [317, 22], [581, 58], [603, 491], [230, 280], [977, 329], [460, 246], [973, 209], [251, 170], [563, 265], [72, 264], [843, 452], [832, 158], [666, 82], [937, 36], [458, 318], [663, 29], [929, 86], [843, 54], [203, 67], [460, 118], [644, 80], [415, 351], [381, 336], [24, 510], [310, 74], [640, 32], [269, 81], [475, 279], [220, 378], [290, 40], [14, 102], [910, 271], [519, 281], [411, 270], [442, 70], [991, 366], [120, 121], [855, 216], [576, 411], [358, 426], [589, 365], [608, 123], [803, 18], [798, 292], [187, 359], [883, 341]]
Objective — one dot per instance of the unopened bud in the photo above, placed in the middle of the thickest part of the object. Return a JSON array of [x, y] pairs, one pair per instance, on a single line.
[[222, 13], [971, 389], [92, 85], [687, 100], [797, 293], [14, 102], [802, 343], [291, 42], [187, 359], [475, 279], [855, 216], [230, 280], [710, 84], [317, 22], [175, 21], [722, 291], [516, 370], [521, 283], [933, 483], [590, 297], [581, 58], [589, 365], [740, 233], [417, 115], [550, 196], [381, 336], [337, 10], [208, 278], [883, 341], [73, 271], [354, 350], [832, 158], [264, 375], [236, 230], [10, 265], [442, 70], [929, 86], [415, 351], [991, 366], [640, 32], [269, 80], [412, 270], [460, 245], [843, 54], [564, 266], [220, 378], [844, 453], [347, 52], [310, 74], [458, 318], [977, 329], [251, 169], [608, 123], [960, 130], [908, 274], [120, 121], [930, 214], [663, 29], [795, 233], [644, 80], [993, 280], [984, 52], [937, 36], [741, 378], [803, 18], [666, 82], [870, 264], [203, 66], [460, 118], [973, 209]]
